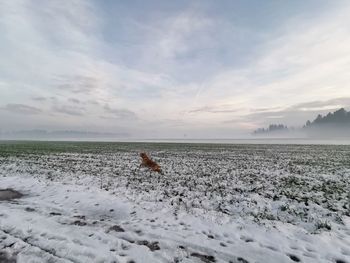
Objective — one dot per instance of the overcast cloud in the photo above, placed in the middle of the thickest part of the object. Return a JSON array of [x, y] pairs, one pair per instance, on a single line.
[[162, 69]]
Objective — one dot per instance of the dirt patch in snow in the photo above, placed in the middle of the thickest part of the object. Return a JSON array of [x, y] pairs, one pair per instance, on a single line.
[[153, 246], [116, 228], [4, 258], [204, 258], [8, 194]]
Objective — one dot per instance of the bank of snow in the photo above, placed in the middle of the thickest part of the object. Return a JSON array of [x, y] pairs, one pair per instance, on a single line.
[[65, 222]]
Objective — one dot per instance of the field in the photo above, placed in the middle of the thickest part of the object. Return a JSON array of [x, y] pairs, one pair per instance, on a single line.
[[92, 202]]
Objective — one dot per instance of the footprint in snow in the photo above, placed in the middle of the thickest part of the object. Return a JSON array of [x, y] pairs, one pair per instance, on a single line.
[[151, 245], [310, 249], [272, 248], [125, 246], [29, 209], [309, 255], [55, 214], [240, 260], [247, 239], [115, 228], [139, 232], [204, 258], [294, 258], [79, 223]]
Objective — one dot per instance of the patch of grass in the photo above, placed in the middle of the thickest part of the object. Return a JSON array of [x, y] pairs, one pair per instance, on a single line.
[[323, 225]]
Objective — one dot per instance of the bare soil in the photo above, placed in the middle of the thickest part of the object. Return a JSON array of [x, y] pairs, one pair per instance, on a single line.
[[8, 194]]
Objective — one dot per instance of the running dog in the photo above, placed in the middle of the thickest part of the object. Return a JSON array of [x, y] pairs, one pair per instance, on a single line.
[[147, 162]]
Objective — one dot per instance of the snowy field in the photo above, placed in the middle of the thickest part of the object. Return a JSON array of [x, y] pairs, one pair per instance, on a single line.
[[91, 202]]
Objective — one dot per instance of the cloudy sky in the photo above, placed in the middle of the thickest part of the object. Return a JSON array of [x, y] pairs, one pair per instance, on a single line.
[[169, 69]]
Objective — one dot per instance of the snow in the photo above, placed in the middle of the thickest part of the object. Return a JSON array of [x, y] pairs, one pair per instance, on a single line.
[[217, 205]]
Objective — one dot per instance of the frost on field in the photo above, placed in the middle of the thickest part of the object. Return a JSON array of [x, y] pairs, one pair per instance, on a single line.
[[306, 186], [213, 203]]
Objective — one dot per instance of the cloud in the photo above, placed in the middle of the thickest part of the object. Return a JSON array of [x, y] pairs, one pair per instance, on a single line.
[[76, 83], [202, 66], [210, 109], [39, 98], [265, 109], [176, 31], [322, 105], [93, 102], [75, 101], [306, 60], [69, 110], [21, 109], [120, 113]]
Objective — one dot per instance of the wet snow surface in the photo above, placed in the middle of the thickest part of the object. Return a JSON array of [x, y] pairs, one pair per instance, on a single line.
[[91, 202]]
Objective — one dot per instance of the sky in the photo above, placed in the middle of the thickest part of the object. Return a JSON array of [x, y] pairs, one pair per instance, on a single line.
[[171, 69]]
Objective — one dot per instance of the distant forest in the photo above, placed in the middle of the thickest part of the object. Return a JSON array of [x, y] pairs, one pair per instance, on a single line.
[[340, 118], [332, 124], [271, 128]]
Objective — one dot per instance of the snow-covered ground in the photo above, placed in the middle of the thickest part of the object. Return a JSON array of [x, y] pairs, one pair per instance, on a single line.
[[212, 204]]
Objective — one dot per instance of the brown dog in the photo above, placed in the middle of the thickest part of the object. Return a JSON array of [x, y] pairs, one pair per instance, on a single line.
[[147, 162]]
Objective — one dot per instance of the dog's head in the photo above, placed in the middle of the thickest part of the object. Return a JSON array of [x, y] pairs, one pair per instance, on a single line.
[[143, 155]]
